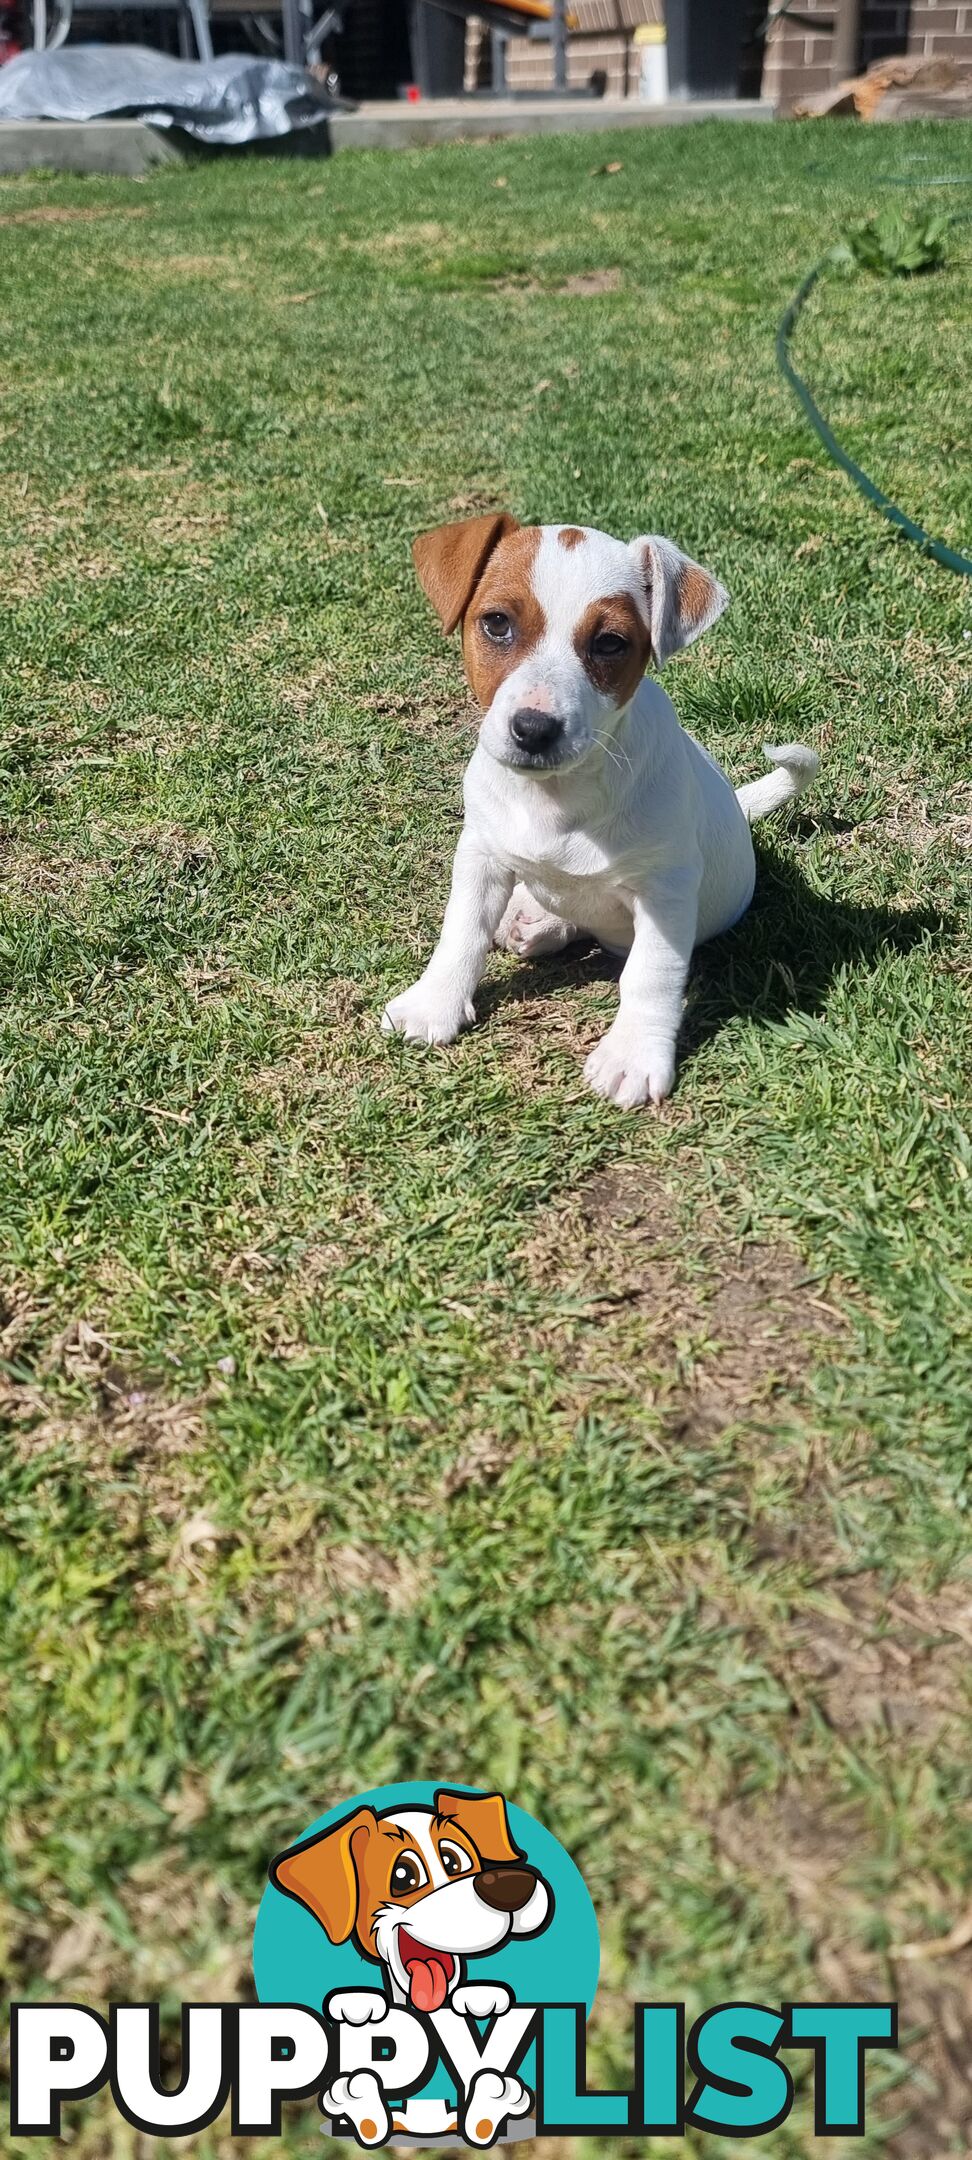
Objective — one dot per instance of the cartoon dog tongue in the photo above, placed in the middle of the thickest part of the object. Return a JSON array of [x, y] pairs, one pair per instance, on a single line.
[[427, 1983]]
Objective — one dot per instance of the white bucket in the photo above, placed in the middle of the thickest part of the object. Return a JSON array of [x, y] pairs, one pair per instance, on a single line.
[[653, 76]]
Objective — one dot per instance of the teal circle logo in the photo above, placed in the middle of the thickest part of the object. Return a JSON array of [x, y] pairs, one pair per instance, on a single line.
[[421, 1894]]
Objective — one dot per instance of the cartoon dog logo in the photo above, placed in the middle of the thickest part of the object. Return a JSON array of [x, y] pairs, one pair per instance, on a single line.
[[420, 1891]]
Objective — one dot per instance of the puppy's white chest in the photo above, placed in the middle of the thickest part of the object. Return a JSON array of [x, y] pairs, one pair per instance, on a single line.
[[533, 840]]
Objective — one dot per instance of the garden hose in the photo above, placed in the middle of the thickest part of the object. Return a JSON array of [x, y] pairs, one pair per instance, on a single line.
[[949, 558]]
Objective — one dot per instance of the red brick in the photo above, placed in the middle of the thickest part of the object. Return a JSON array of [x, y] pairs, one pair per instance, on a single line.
[[960, 48]]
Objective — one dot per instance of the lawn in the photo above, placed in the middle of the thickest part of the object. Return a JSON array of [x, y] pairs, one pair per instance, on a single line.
[[376, 1413]]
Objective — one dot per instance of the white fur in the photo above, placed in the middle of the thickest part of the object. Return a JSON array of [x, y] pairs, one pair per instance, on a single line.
[[357, 2006], [491, 2100], [359, 2097], [482, 1999], [635, 836]]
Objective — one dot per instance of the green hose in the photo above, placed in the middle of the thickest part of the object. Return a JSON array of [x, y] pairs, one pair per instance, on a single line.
[[949, 558]]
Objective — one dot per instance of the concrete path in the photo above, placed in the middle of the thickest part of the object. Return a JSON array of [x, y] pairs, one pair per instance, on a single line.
[[130, 147], [395, 124]]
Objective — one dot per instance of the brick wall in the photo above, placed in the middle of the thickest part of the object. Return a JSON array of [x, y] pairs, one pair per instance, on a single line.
[[798, 61], [935, 29]]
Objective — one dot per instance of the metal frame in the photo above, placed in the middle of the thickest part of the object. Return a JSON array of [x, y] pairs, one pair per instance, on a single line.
[[504, 23], [193, 15]]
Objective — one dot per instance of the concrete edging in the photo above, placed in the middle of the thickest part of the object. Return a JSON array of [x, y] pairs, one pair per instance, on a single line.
[[399, 126], [131, 147]]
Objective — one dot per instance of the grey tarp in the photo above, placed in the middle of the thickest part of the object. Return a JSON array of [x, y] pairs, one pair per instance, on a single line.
[[233, 99]]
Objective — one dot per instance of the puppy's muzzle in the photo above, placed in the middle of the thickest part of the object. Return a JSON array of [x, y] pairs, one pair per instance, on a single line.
[[535, 732], [505, 1889]]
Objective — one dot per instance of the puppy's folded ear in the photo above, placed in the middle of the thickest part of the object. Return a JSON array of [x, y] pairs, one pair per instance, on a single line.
[[450, 562], [321, 1873], [484, 1820], [683, 599]]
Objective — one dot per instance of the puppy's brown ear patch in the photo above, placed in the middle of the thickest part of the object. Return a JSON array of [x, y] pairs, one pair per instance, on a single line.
[[484, 1820], [321, 1873], [450, 561], [683, 598]]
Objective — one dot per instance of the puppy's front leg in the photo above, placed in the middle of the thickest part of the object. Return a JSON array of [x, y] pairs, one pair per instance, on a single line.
[[440, 1003], [635, 1061]]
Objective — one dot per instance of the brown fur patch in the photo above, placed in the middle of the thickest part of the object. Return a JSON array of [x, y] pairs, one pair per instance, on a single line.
[[618, 616], [694, 594], [450, 561], [507, 585], [570, 536]]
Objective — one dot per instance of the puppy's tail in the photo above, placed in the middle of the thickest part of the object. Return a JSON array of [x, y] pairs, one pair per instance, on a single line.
[[794, 766]]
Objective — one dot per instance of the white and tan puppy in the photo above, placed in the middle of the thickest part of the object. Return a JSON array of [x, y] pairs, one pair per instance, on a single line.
[[589, 810]]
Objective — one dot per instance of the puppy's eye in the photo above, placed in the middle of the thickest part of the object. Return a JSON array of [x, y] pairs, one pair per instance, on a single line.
[[497, 627], [454, 1860], [607, 645], [407, 1874]]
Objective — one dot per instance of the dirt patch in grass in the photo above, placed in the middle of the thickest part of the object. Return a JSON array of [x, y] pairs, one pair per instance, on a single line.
[[719, 1323], [31, 573], [325, 1584], [587, 284], [422, 715], [818, 1849], [38, 875], [427, 233], [719, 1333], [935, 2033], [895, 1661], [128, 1430], [173, 1931], [907, 820], [193, 265], [174, 526], [65, 214], [170, 842], [302, 691]]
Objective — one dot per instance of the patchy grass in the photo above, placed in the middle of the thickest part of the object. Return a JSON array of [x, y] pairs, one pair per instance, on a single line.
[[375, 1414]]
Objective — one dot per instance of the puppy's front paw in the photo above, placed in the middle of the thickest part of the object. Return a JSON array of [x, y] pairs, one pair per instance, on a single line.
[[628, 1070], [492, 2098], [360, 2099], [357, 2006], [481, 1999], [427, 1013]]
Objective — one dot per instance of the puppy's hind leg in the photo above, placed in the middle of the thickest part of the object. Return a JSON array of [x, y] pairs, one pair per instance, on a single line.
[[531, 930]]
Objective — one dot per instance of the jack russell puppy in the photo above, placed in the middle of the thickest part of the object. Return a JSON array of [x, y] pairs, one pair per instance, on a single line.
[[419, 1890], [589, 811]]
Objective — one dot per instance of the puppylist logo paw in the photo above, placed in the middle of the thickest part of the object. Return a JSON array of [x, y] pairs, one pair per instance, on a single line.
[[426, 1958]]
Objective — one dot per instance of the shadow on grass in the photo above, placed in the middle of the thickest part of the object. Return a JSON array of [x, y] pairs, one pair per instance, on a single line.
[[781, 958]]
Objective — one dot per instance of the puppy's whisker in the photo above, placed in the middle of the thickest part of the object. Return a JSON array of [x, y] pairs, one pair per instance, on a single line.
[[612, 750]]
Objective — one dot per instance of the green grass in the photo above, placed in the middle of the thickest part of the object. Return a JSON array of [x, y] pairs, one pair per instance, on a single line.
[[377, 1414]]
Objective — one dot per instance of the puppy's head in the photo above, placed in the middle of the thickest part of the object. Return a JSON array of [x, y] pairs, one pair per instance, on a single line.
[[419, 1889], [559, 624]]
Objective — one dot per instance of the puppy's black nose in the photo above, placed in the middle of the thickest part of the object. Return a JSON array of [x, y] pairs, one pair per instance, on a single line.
[[533, 730], [506, 1889]]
